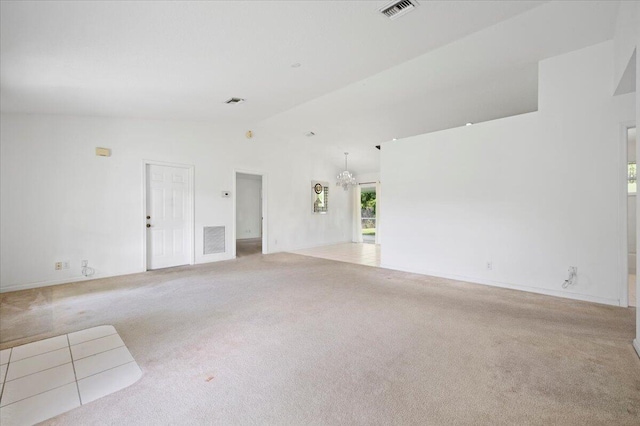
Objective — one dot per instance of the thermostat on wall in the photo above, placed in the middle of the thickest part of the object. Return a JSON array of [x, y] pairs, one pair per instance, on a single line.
[[103, 152], [226, 194]]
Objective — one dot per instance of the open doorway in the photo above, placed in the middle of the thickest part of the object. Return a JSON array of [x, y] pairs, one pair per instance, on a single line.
[[368, 217], [632, 186], [249, 230]]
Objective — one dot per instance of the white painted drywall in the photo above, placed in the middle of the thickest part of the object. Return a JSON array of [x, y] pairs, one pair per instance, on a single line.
[[248, 206], [60, 202], [532, 194], [368, 177], [627, 30], [637, 120], [626, 40]]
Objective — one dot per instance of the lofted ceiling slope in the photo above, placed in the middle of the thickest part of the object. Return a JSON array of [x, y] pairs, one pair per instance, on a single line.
[[182, 60], [490, 74], [363, 79]]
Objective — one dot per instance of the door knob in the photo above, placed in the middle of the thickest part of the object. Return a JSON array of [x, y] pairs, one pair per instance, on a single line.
[[148, 225]]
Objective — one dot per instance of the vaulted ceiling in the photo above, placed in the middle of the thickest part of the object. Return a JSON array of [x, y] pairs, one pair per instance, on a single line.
[[363, 79]]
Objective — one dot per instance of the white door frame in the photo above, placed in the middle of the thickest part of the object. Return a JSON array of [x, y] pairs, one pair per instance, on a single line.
[[623, 258], [190, 208], [265, 222]]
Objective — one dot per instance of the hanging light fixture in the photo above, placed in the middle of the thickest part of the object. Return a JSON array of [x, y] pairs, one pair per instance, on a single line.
[[345, 179]]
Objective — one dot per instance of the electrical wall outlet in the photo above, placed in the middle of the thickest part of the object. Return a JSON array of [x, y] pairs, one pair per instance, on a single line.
[[489, 265], [58, 266]]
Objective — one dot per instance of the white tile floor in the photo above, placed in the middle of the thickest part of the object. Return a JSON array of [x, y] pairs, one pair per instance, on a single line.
[[43, 379], [362, 254]]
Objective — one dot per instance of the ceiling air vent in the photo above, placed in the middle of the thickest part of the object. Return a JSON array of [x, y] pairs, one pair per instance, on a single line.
[[234, 101], [397, 8]]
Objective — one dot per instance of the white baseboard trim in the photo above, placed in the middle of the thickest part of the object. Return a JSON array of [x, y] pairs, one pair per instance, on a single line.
[[68, 280], [81, 278], [537, 290], [636, 346]]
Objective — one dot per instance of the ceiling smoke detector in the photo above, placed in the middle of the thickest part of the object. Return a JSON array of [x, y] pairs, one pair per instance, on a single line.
[[234, 101], [397, 8]]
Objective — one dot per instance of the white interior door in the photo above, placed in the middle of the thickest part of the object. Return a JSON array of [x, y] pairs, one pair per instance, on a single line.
[[168, 239]]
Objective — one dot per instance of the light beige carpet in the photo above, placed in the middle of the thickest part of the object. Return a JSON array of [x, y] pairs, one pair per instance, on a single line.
[[288, 339]]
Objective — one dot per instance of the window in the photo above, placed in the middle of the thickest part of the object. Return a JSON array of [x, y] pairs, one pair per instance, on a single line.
[[631, 178]]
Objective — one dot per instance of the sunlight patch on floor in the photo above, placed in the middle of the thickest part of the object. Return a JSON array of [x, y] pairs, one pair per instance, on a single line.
[[361, 254]]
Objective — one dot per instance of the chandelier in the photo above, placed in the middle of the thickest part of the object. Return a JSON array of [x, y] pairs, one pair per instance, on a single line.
[[345, 179]]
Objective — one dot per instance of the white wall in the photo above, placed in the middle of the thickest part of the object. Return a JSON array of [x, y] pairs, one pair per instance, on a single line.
[[248, 207], [627, 30], [533, 194], [637, 120], [60, 202], [368, 177], [626, 41]]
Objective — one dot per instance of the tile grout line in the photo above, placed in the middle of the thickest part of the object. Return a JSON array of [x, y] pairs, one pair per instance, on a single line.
[[31, 356], [66, 384], [74, 371], [59, 365], [91, 340], [36, 372], [6, 374], [53, 350], [101, 352], [111, 368], [39, 393], [58, 389]]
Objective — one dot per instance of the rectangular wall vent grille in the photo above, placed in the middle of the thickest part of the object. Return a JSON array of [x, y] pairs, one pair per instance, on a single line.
[[214, 239], [397, 8]]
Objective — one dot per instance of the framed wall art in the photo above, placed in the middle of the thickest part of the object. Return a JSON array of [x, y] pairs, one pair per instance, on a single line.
[[319, 197]]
